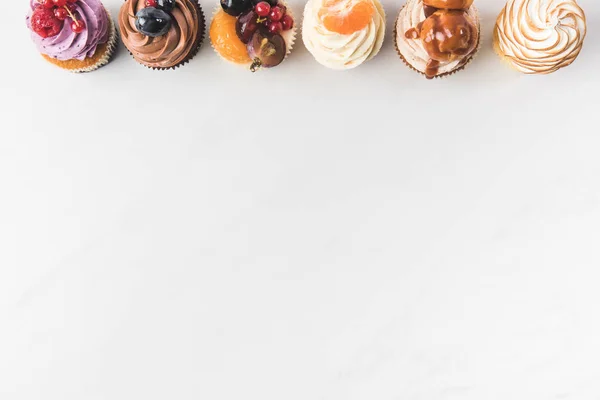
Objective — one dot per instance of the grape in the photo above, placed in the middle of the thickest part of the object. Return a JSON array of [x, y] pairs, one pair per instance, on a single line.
[[246, 25], [266, 50], [152, 22]]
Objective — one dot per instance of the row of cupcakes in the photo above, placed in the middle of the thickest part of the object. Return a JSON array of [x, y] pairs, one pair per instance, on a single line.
[[433, 37]]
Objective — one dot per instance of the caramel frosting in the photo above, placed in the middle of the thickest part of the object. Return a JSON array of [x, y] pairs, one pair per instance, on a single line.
[[540, 36], [169, 50], [435, 41], [449, 4]]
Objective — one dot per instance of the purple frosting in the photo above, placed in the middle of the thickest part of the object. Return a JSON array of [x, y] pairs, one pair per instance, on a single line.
[[68, 45]]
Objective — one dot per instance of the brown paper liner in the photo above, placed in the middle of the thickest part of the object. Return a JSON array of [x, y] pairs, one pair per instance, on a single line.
[[460, 67], [289, 44], [101, 57], [195, 47]]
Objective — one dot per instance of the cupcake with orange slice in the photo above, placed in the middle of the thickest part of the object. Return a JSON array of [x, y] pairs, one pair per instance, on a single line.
[[437, 37], [254, 34], [342, 34]]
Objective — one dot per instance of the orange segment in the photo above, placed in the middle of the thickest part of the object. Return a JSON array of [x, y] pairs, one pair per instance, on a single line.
[[346, 17], [225, 40]]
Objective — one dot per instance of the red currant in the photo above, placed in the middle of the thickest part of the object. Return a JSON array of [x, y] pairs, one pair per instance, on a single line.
[[72, 1], [78, 26], [151, 3], [287, 22], [276, 14], [61, 13], [72, 7], [59, 3], [275, 27], [262, 9], [48, 3]]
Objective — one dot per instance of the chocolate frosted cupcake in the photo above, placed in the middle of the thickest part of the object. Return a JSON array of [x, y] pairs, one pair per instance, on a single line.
[[76, 35], [437, 37], [162, 34]]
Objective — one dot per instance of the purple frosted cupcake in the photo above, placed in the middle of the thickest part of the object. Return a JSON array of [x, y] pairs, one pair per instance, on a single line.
[[76, 35]]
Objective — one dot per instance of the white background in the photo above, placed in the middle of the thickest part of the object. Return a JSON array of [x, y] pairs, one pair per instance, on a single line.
[[299, 233]]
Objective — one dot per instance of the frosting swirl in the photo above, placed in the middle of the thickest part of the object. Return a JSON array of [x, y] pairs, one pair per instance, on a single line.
[[540, 36], [413, 50], [68, 45], [338, 51], [168, 50]]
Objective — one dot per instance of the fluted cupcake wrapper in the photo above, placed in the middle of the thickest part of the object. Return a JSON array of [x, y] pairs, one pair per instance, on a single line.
[[290, 37], [446, 74]]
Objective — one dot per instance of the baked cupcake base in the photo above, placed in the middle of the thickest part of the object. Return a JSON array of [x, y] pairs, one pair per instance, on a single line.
[[101, 57], [463, 64]]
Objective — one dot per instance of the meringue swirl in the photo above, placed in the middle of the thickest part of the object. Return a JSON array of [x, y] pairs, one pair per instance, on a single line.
[[338, 51], [68, 45], [170, 49], [540, 36]]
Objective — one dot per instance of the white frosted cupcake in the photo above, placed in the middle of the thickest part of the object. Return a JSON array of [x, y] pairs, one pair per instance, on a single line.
[[437, 37], [540, 36], [342, 34]]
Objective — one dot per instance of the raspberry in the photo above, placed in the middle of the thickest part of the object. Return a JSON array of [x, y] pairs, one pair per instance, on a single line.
[[44, 23]]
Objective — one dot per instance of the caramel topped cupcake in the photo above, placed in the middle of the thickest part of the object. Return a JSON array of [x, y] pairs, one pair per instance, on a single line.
[[437, 37], [162, 34]]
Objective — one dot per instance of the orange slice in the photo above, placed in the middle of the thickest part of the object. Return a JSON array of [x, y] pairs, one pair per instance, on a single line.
[[346, 17], [225, 40]]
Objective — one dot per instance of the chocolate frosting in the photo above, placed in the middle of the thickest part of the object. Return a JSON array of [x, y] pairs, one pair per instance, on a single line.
[[165, 51]]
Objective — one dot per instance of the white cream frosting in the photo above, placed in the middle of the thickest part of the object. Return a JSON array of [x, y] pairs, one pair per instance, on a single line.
[[412, 49], [338, 51], [540, 36]]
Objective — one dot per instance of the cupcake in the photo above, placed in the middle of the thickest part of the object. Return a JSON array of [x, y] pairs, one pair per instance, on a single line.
[[162, 34], [437, 37], [342, 34], [76, 35], [540, 36], [253, 34]]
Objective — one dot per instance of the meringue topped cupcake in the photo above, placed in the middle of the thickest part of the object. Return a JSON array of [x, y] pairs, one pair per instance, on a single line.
[[162, 34], [437, 37], [540, 36], [342, 34], [76, 35], [253, 34]]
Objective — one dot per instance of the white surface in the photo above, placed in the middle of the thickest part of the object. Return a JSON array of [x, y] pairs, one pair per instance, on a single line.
[[350, 235]]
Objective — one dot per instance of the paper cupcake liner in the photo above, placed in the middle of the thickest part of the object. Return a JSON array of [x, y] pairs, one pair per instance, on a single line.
[[460, 67], [195, 48], [289, 43]]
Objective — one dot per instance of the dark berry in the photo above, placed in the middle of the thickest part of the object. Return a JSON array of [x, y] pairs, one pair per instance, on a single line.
[[236, 7], [152, 22], [166, 5], [287, 22], [78, 26], [276, 14], [246, 25], [61, 13], [44, 23]]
